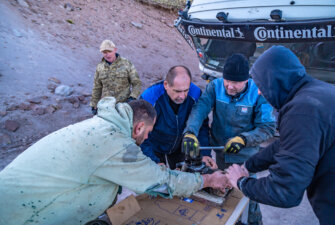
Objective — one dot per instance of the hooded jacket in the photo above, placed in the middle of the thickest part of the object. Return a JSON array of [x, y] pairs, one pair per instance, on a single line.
[[304, 156], [73, 175]]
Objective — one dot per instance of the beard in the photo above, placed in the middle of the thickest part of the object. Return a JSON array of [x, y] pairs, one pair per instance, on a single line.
[[139, 140]]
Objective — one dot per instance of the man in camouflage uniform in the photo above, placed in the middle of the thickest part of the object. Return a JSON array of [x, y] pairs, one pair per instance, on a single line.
[[115, 76]]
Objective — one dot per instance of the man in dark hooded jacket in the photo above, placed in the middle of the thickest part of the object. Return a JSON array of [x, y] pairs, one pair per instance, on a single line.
[[303, 157]]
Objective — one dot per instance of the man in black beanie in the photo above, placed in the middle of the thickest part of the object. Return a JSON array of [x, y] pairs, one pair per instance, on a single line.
[[242, 119]]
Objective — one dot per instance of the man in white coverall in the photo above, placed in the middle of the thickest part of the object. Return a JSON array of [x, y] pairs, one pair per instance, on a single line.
[[73, 175]]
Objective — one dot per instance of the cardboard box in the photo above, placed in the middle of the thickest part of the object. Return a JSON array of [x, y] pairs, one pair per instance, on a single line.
[[177, 211]]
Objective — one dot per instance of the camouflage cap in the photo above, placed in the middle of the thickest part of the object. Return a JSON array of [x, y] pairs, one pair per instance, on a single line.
[[107, 45]]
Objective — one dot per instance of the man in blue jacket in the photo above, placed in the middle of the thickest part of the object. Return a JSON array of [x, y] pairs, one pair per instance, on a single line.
[[173, 99], [304, 156], [242, 119]]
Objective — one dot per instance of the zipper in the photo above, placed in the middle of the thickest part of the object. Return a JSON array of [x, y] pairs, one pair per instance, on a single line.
[[176, 137]]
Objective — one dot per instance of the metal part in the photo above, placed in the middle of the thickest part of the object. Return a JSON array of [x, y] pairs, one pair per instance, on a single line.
[[212, 148], [193, 164]]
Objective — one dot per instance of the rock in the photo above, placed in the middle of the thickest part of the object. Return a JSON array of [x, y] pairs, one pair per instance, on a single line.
[[76, 105], [50, 109], [53, 79], [179, 42], [81, 97], [72, 99], [23, 3], [63, 90], [11, 125], [39, 111], [69, 7], [25, 107], [86, 94], [52, 87], [36, 100], [57, 106], [12, 107], [137, 25], [84, 102], [17, 33], [4, 140], [3, 113], [143, 46]]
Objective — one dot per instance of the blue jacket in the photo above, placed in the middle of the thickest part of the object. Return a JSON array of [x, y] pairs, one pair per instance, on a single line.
[[248, 115], [167, 133], [304, 156]]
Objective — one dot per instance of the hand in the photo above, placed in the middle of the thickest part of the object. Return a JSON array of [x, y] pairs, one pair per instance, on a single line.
[[235, 172], [94, 111], [216, 180], [234, 145], [161, 164], [190, 145], [210, 162]]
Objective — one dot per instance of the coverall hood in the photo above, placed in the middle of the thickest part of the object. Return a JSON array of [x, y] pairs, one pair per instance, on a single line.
[[119, 114], [277, 73]]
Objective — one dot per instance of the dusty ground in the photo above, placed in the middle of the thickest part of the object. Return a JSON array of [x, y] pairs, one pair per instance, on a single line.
[[43, 44]]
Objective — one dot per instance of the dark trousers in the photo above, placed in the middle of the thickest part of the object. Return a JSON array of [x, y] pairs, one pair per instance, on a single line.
[[172, 158], [254, 213]]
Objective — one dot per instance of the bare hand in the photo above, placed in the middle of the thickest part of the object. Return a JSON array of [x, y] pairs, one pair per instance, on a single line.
[[210, 162], [161, 164], [234, 173], [216, 180]]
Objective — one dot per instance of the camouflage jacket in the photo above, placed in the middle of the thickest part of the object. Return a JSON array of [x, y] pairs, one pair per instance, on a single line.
[[119, 79]]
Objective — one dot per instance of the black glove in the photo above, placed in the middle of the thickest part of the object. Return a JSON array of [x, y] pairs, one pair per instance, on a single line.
[[130, 99], [190, 145], [235, 144], [94, 111]]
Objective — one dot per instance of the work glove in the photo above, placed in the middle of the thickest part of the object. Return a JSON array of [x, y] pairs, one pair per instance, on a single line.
[[94, 111], [190, 145], [130, 99], [235, 144]]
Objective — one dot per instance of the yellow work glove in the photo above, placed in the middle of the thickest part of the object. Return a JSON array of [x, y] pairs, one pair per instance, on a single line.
[[190, 145], [234, 145]]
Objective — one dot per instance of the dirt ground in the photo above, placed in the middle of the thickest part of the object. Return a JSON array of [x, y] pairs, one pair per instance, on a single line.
[[44, 44]]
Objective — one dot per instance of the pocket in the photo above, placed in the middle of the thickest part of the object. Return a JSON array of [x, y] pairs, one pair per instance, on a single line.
[[122, 77]]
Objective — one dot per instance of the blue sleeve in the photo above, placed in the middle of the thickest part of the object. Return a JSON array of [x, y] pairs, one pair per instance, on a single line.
[[201, 110], [153, 93], [264, 122]]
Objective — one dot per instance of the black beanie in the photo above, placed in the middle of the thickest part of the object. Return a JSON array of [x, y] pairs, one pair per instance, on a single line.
[[236, 68]]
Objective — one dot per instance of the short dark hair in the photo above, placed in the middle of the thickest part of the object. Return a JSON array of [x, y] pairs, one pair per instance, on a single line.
[[142, 111], [172, 73]]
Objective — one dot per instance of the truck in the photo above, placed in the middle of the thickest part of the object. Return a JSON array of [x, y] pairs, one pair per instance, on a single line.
[[216, 29]]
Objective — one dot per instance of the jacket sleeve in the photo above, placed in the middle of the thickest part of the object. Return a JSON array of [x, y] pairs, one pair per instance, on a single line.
[[291, 167], [263, 159], [203, 137], [201, 110], [135, 81], [97, 90], [264, 122], [130, 168]]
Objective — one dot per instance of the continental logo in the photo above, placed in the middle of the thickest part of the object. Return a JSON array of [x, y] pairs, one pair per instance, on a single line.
[[263, 34]]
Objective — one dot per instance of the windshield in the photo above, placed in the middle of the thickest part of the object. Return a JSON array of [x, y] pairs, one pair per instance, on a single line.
[[317, 57]]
